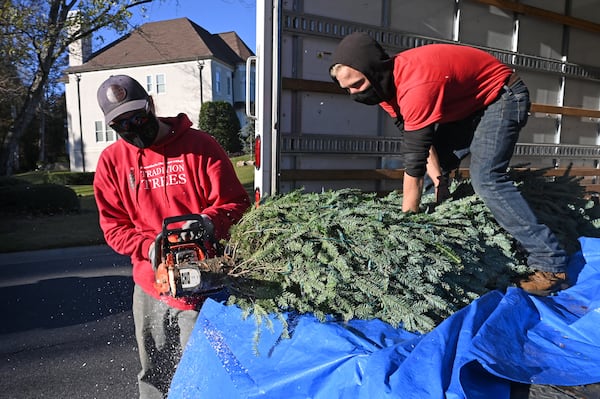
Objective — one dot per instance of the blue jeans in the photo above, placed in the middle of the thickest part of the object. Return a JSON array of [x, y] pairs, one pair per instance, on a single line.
[[491, 150]]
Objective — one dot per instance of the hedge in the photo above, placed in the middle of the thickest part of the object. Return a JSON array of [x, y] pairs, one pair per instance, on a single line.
[[46, 198]]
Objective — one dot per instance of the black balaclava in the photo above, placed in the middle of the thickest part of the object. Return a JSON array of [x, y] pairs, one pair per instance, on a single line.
[[144, 135], [361, 52]]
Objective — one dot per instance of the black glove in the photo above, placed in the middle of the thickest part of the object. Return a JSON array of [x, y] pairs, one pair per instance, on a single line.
[[202, 229], [442, 191]]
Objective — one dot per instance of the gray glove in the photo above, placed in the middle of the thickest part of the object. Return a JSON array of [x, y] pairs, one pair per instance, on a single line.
[[151, 256], [202, 229], [154, 260]]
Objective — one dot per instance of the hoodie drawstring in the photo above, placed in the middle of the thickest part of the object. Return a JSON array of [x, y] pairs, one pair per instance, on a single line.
[[166, 169]]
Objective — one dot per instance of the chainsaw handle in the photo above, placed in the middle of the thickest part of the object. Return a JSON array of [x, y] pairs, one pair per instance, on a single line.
[[181, 218], [162, 240]]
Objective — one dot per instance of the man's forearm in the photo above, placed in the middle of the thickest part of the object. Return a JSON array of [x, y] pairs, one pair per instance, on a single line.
[[434, 170], [412, 187]]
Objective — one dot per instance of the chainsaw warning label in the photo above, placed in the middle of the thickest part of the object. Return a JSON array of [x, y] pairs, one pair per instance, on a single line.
[[190, 278]]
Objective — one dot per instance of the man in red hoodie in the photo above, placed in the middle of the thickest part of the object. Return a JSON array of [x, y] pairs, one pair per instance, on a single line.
[[161, 168], [448, 98]]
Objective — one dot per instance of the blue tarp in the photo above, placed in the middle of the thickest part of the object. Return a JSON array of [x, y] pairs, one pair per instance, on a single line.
[[473, 354]]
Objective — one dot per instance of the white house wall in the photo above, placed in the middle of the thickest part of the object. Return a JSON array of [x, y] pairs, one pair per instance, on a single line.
[[183, 95], [222, 72]]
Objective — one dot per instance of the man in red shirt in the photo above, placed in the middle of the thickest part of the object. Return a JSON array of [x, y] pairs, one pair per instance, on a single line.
[[448, 97], [160, 168]]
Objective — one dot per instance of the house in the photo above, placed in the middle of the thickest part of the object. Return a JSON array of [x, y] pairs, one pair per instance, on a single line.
[[178, 62]]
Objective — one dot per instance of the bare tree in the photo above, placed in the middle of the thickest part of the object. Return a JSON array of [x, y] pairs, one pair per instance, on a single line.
[[34, 35], [11, 91]]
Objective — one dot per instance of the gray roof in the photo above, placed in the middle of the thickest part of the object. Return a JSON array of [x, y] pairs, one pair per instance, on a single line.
[[169, 41]]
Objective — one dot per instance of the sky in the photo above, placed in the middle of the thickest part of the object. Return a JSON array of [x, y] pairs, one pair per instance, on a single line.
[[216, 16]]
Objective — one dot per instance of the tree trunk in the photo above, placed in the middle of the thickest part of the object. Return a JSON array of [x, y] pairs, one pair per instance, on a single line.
[[42, 138], [9, 154]]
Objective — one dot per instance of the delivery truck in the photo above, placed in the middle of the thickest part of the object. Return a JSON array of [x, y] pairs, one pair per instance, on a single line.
[[310, 135]]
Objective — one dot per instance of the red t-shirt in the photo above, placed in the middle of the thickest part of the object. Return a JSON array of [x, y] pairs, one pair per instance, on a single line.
[[441, 83]]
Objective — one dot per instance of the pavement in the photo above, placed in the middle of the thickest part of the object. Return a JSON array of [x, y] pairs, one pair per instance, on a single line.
[[68, 329]]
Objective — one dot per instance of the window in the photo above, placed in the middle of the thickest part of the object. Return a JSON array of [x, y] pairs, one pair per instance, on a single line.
[[218, 82], [228, 85], [99, 127], [161, 86], [102, 134], [156, 84]]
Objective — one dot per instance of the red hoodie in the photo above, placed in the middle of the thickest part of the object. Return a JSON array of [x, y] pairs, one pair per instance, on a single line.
[[441, 83], [136, 189]]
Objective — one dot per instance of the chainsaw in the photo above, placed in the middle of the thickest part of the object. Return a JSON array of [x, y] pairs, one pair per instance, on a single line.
[[190, 262]]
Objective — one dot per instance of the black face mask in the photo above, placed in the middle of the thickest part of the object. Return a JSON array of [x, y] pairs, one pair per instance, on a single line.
[[368, 96], [139, 130]]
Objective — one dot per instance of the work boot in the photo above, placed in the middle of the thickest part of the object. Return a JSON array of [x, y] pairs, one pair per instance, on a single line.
[[544, 283]]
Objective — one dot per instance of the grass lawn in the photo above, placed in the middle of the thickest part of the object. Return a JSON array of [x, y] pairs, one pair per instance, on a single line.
[[25, 233]]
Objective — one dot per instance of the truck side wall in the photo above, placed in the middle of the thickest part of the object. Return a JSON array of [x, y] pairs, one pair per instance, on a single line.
[[555, 60]]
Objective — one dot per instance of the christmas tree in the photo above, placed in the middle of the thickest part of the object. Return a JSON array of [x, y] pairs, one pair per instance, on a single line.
[[348, 254]]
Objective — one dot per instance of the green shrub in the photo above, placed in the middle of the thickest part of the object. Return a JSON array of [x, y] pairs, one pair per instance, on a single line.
[[34, 177], [44, 198], [218, 118]]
